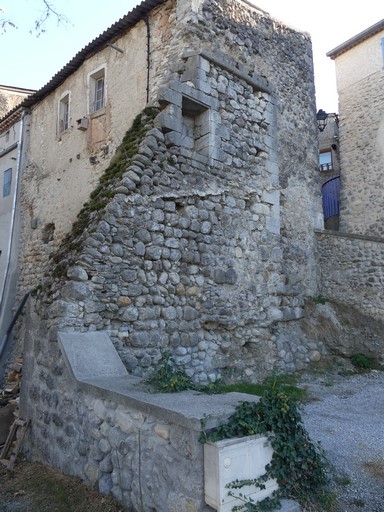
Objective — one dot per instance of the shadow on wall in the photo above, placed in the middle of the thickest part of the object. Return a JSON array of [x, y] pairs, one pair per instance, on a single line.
[[343, 329]]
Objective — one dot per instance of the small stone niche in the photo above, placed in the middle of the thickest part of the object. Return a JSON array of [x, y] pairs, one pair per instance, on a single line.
[[196, 126]]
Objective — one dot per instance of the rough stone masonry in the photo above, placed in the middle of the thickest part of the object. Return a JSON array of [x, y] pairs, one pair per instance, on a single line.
[[204, 246]]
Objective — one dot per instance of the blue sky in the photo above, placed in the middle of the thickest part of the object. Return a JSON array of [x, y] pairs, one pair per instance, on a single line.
[[29, 61]]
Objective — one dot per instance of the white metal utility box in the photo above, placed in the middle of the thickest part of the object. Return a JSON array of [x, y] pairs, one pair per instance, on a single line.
[[236, 459]]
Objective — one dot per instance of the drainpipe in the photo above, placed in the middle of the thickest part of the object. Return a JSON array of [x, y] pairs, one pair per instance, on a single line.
[[148, 53]]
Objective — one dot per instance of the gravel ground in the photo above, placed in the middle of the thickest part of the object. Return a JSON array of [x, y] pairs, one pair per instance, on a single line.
[[346, 414]]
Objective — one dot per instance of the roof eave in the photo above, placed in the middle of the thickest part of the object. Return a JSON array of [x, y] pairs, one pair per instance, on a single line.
[[129, 20], [355, 40]]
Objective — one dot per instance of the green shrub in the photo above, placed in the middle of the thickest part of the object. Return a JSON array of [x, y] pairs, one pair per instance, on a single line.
[[363, 362], [319, 299]]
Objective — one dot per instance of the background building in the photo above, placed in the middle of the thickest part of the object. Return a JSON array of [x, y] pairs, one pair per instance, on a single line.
[[10, 97], [360, 84], [329, 167]]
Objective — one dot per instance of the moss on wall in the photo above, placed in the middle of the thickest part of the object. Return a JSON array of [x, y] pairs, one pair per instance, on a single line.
[[103, 193]]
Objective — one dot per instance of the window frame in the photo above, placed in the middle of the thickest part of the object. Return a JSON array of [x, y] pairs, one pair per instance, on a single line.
[[96, 94], [7, 183], [326, 167], [64, 112]]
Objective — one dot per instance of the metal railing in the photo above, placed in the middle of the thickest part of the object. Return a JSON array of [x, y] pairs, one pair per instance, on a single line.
[[4, 341]]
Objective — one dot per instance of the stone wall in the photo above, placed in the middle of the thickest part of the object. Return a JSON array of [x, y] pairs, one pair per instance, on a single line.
[[207, 245], [179, 269], [352, 271], [107, 429], [186, 260]]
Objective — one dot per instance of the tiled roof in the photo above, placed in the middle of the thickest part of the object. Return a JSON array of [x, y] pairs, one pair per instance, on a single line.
[[124, 23]]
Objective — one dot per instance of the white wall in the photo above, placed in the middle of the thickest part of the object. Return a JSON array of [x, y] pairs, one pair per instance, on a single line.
[[8, 160], [359, 62]]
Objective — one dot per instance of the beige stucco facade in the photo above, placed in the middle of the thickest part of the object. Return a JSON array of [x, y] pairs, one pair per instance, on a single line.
[[360, 81], [10, 97], [64, 167], [359, 62]]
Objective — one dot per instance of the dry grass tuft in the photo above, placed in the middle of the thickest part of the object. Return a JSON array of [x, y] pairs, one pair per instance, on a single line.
[[34, 487]]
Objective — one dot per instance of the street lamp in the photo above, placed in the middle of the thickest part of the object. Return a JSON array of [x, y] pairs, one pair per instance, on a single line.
[[322, 117]]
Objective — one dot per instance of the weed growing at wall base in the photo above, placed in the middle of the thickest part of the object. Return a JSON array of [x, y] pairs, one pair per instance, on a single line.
[[167, 377], [319, 299], [364, 363]]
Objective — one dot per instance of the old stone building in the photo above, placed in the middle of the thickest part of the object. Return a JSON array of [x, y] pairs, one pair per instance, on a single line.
[[10, 97], [351, 262], [360, 75], [168, 202], [329, 167], [215, 255]]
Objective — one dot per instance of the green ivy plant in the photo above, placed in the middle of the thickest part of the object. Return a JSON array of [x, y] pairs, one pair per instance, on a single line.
[[299, 466]]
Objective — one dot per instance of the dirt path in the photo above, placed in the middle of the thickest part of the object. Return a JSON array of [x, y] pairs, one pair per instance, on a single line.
[[347, 416]]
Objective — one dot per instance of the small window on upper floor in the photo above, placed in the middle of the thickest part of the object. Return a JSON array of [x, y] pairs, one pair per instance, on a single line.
[[325, 160], [7, 136], [64, 113], [97, 91], [7, 180]]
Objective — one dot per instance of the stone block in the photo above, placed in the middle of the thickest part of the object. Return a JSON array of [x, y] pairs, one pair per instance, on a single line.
[[169, 119], [221, 276], [77, 273], [238, 458], [167, 95], [194, 75], [174, 138], [90, 354]]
